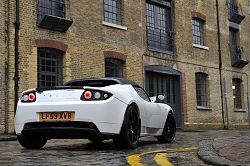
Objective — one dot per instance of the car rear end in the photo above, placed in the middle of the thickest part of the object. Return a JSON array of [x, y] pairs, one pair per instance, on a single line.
[[68, 112]]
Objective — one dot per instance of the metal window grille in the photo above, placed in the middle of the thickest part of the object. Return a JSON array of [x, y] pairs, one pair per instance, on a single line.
[[51, 7], [49, 67], [232, 8], [112, 11], [159, 27], [113, 68], [197, 28], [201, 89], [237, 93]]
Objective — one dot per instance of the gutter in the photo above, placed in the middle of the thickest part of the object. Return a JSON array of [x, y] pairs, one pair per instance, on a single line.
[[220, 62], [16, 76]]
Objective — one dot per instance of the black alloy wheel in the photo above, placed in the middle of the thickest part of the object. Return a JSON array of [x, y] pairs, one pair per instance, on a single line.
[[169, 130], [130, 132]]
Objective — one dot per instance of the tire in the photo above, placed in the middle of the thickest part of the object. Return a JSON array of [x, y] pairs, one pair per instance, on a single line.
[[130, 132], [169, 130], [95, 140], [30, 143]]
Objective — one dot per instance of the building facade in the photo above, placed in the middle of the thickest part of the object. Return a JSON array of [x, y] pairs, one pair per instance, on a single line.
[[194, 52]]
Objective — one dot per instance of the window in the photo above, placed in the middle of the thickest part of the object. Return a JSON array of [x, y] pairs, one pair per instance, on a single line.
[[112, 11], [51, 7], [234, 48], [113, 67], [201, 89], [235, 12], [159, 26], [142, 93], [237, 93], [50, 67], [197, 28], [51, 15]]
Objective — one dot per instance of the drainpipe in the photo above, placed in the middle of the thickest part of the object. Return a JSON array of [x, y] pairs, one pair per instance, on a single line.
[[16, 77], [220, 61]]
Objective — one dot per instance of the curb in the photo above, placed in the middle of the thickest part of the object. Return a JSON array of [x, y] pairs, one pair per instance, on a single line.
[[207, 154], [8, 138]]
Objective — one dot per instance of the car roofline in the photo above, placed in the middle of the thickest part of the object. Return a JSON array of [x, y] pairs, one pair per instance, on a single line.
[[116, 79]]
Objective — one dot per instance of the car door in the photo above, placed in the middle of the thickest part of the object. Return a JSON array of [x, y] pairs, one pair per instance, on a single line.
[[155, 113]]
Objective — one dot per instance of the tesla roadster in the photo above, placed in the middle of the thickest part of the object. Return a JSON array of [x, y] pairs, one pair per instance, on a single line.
[[96, 109]]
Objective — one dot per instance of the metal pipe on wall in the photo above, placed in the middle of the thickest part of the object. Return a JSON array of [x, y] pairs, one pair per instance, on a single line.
[[220, 60], [16, 76]]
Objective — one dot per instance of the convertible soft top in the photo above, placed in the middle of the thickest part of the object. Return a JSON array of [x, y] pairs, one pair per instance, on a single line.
[[94, 82], [100, 82]]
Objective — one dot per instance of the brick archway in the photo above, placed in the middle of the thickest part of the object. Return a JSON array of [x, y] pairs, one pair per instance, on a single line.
[[48, 43]]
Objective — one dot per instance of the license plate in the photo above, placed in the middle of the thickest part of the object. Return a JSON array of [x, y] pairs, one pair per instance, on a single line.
[[56, 116]]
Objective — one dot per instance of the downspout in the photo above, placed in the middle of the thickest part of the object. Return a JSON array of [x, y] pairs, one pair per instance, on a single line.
[[16, 76], [220, 61]]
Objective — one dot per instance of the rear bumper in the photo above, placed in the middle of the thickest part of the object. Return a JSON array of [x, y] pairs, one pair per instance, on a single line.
[[61, 130], [107, 115]]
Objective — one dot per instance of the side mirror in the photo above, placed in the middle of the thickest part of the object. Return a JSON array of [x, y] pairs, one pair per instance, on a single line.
[[160, 98]]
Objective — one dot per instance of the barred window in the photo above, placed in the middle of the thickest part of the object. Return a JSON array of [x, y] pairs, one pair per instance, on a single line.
[[50, 62], [112, 11], [113, 67], [201, 89], [197, 28], [237, 93], [51, 7], [159, 26]]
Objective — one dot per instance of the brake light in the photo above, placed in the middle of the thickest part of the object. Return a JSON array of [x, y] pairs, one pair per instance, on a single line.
[[31, 97], [87, 95]]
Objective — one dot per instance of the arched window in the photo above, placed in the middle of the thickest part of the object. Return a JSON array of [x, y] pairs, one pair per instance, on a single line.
[[49, 67], [113, 67]]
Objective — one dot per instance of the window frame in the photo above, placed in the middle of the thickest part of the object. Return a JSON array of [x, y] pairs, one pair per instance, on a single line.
[[237, 95], [113, 17], [53, 57], [201, 89], [159, 25], [198, 31], [142, 93], [52, 7], [111, 69]]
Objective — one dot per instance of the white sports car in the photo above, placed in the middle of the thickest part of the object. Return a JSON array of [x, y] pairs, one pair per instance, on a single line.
[[96, 109]]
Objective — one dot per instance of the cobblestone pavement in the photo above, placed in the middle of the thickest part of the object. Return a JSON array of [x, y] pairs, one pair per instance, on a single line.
[[234, 148], [82, 152]]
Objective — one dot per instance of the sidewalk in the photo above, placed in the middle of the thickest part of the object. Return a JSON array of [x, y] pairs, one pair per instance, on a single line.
[[229, 151]]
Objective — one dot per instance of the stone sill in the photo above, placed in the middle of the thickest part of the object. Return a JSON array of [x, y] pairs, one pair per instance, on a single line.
[[115, 25], [239, 110], [204, 108], [200, 46]]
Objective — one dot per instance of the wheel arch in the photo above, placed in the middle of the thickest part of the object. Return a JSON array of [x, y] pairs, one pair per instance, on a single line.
[[136, 107]]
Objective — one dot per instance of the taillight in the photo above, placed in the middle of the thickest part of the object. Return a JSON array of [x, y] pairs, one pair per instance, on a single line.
[[92, 95], [87, 95], [28, 97]]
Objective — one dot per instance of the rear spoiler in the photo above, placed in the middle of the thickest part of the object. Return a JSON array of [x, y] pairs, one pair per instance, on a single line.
[[39, 90]]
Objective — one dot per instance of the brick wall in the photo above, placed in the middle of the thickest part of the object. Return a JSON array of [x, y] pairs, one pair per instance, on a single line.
[[88, 39], [2, 65]]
